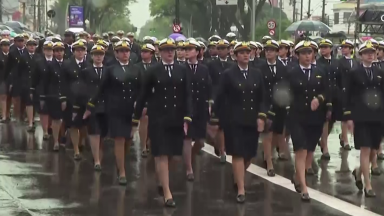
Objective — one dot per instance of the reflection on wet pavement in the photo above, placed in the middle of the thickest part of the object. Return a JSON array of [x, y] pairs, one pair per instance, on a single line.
[[36, 181]]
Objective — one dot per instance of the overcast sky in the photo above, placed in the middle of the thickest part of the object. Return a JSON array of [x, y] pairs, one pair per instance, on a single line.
[[140, 13]]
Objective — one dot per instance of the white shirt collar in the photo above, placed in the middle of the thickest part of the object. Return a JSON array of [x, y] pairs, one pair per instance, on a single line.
[[314, 63], [302, 67], [328, 58], [193, 63], [223, 59], [180, 59], [48, 59], [123, 64], [269, 63], [59, 60], [167, 64], [78, 62], [242, 69], [5, 53], [282, 58], [367, 66], [96, 66]]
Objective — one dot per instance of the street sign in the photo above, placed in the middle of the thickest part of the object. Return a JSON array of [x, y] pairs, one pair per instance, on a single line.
[[176, 28], [51, 14], [271, 24], [272, 32], [226, 2]]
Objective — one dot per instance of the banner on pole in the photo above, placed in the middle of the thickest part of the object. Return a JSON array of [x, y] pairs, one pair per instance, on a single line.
[[76, 16]]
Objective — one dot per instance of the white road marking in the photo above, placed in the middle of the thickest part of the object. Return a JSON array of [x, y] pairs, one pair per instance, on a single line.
[[326, 199]]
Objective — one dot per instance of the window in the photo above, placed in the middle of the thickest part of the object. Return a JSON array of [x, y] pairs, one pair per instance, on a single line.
[[347, 17], [336, 18]]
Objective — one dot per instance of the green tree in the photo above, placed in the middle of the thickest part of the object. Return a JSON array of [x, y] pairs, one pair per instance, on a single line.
[[159, 27], [268, 14], [99, 13], [207, 18]]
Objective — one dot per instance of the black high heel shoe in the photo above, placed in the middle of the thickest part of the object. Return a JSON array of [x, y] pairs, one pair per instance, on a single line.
[[170, 203], [369, 193], [358, 182]]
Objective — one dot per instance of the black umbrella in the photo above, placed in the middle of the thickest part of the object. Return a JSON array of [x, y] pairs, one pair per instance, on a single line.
[[308, 25]]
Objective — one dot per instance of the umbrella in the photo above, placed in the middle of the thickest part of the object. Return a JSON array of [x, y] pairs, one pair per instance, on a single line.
[[308, 25], [175, 36]]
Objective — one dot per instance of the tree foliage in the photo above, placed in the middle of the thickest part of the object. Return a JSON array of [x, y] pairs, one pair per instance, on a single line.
[[159, 27], [207, 18], [102, 14]]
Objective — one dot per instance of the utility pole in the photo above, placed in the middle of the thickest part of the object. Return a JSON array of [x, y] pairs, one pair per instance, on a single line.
[[281, 9], [309, 9], [1, 10], [294, 11], [24, 18], [253, 19], [39, 14], [34, 15], [357, 24], [177, 12], [323, 13], [301, 9]]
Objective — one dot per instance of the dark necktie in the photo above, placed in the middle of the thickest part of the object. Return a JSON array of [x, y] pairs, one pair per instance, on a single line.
[[60, 63], [245, 73], [181, 62], [329, 61], [146, 66], [307, 73], [272, 68], [223, 63], [169, 68], [80, 64], [158, 59], [21, 51], [99, 71], [285, 61], [193, 67], [375, 64], [31, 55], [350, 62], [369, 72]]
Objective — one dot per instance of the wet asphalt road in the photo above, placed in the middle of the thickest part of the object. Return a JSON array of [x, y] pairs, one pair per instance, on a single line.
[[36, 182]]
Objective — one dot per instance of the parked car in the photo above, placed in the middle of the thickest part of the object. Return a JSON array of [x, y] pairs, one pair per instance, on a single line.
[[18, 27]]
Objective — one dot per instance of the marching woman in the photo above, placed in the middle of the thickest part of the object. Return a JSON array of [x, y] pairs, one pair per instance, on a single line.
[[308, 92], [346, 63], [243, 92], [180, 53], [201, 100], [70, 79], [331, 65], [201, 57], [120, 85], [216, 69], [274, 74], [97, 124], [167, 89], [364, 111], [48, 85], [4, 80], [147, 60], [284, 52]]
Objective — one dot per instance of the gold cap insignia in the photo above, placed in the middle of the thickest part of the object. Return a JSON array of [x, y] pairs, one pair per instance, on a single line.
[[180, 44], [81, 43], [221, 42], [244, 44], [98, 48], [343, 43], [124, 44], [269, 42], [49, 44], [369, 44], [323, 41], [307, 43], [169, 42], [186, 43]]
